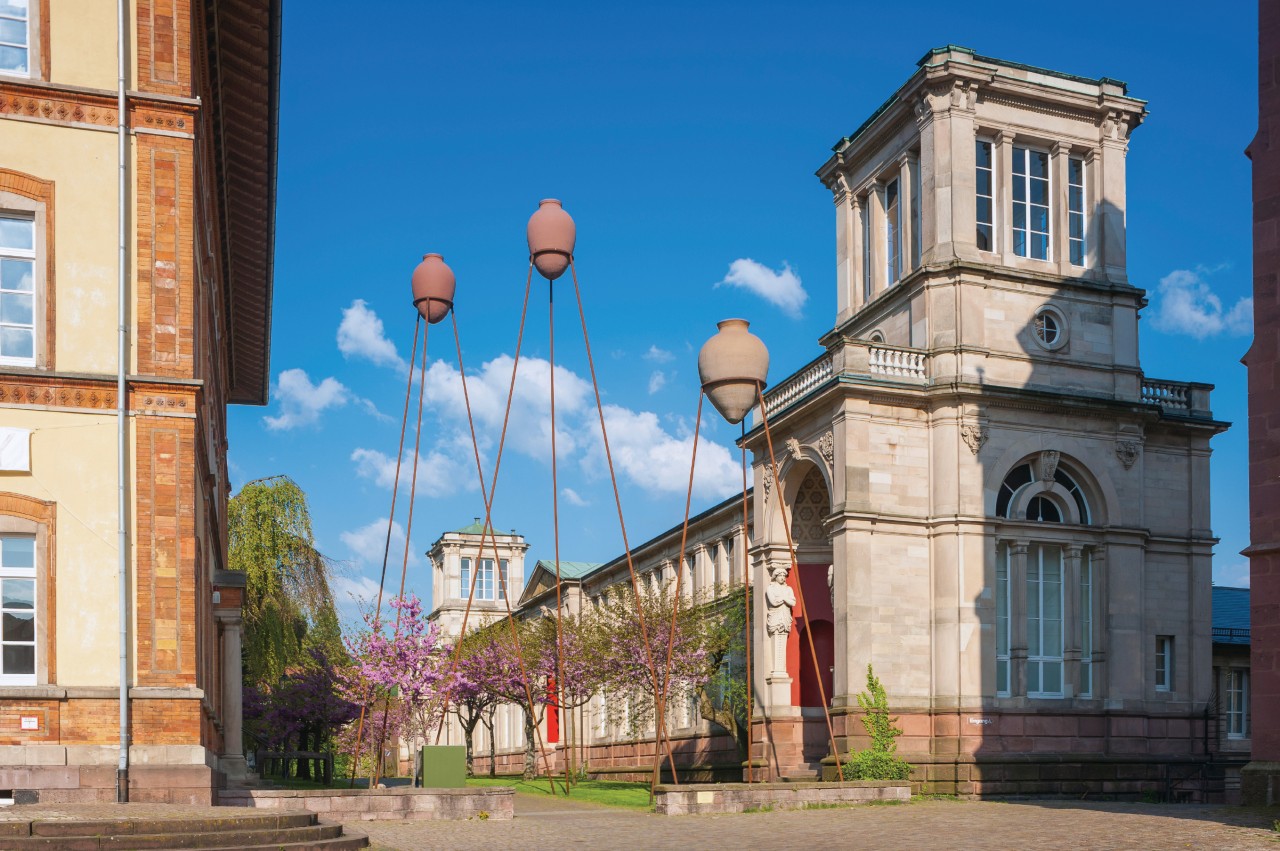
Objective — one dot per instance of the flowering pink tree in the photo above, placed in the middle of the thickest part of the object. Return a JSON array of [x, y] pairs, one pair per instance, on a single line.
[[625, 654], [473, 691], [399, 669]]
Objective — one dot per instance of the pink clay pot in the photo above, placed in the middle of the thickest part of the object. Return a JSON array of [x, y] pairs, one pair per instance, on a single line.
[[551, 235], [733, 366], [433, 288]]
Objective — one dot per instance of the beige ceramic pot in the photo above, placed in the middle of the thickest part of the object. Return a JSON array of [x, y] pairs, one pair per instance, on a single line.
[[731, 366], [433, 287], [551, 235]]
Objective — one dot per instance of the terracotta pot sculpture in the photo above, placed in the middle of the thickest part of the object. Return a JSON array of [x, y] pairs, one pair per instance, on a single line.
[[731, 366], [551, 235], [433, 287]]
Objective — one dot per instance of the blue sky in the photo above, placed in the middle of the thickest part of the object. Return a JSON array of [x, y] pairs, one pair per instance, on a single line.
[[682, 138]]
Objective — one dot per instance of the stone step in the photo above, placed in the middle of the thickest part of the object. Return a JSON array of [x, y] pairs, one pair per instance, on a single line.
[[60, 827], [341, 843], [261, 832], [299, 837]]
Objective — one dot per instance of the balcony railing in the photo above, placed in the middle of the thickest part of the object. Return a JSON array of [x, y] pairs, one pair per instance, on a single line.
[[798, 385], [898, 363], [1172, 396]]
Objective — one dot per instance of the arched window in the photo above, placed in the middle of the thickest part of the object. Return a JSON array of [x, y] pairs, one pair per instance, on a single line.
[[1049, 571], [1041, 508]]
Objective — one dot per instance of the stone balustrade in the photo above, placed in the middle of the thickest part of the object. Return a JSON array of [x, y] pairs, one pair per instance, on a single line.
[[1181, 398], [799, 384], [896, 362]]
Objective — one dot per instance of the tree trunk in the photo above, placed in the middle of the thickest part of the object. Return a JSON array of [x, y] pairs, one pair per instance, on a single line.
[[530, 755], [493, 745], [468, 734], [727, 719]]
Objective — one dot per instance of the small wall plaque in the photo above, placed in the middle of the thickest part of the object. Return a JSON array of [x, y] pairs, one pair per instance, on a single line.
[[30, 722]]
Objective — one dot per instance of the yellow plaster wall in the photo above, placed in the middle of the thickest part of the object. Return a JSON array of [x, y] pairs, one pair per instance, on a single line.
[[82, 164], [82, 42], [73, 463]]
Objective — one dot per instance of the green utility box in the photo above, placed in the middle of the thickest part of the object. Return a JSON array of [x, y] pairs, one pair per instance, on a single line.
[[444, 766]]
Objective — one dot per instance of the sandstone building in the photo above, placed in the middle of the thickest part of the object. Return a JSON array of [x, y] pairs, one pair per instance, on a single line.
[[196, 222], [992, 504]]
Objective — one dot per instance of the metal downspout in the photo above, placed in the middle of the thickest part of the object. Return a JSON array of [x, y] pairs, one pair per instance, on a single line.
[[122, 409]]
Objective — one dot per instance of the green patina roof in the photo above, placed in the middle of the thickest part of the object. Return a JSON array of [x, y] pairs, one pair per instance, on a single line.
[[476, 527], [569, 569]]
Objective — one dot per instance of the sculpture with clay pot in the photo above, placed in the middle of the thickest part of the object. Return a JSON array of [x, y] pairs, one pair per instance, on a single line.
[[551, 234], [733, 366], [433, 287]]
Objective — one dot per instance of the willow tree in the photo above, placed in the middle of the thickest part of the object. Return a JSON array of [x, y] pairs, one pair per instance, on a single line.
[[288, 606]]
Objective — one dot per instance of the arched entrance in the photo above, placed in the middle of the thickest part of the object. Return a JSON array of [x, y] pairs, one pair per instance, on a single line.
[[816, 615]]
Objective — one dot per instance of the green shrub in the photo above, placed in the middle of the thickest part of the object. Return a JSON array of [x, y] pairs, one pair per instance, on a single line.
[[876, 765], [880, 761]]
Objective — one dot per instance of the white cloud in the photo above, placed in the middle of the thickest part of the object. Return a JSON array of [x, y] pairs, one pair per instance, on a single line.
[[302, 402], [368, 544], [657, 380], [361, 335], [441, 472], [571, 496], [1235, 575], [353, 595], [1188, 305], [782, 289], [529, 429], [652, 458], [658, 355]]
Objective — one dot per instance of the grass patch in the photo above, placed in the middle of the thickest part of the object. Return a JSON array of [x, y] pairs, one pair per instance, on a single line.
[[610, 793]]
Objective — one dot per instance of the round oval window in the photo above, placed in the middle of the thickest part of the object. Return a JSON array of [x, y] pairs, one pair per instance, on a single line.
[[1047, 329]]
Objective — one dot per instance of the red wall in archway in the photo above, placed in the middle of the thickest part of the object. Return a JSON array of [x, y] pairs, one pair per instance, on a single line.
[[817, 595]]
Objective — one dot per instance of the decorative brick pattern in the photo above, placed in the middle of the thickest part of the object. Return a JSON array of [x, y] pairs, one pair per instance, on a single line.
[[166, 559], [166, 292], [164, 46]]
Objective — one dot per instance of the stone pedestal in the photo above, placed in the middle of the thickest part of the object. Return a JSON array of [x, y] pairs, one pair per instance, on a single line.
[[232, 762], [1260, 784]]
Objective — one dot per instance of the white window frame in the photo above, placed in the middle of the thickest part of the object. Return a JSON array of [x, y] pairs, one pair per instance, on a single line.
[[892, 232], [1004, 568], [1165, 661], [1086, 624], [1025, 179], [1237, 691], [32, 256], [22, 573], [464, 579], [1083, 213], [32, 55], [1039, 628], [991, 199]]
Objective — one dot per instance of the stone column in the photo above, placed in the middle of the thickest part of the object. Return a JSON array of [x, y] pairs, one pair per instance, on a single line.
[[1002, 174], [1071, 622], [1097, 565], [846, 259], [1111, 185], [906, 204], [1018, 618], [232, 761], [1058, 224], [857, 283], [875, 209]]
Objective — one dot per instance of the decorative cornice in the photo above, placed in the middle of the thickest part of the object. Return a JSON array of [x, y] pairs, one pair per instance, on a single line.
[[86, 109], [57, 392]]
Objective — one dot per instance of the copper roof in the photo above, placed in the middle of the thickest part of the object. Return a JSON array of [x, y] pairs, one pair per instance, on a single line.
[[244, 60]]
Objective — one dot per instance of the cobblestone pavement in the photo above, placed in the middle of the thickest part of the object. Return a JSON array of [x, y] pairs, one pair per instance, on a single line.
[[931, 825]]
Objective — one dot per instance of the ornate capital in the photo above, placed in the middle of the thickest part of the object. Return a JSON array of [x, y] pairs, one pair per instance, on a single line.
[[974, 435]]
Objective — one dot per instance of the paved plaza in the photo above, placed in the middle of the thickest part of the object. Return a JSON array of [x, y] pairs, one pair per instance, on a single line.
[[928, 824]]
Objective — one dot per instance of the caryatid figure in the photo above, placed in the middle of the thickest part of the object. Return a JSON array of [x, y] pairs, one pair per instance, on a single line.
[[779, 600]]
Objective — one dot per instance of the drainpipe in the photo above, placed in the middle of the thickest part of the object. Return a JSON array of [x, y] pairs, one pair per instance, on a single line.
[[122, 412]]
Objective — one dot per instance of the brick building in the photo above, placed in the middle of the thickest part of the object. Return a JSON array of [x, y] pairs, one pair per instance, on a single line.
[[198, 149], [1262, 776]]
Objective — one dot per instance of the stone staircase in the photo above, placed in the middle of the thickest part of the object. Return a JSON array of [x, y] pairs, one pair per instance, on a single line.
[[266, 832]]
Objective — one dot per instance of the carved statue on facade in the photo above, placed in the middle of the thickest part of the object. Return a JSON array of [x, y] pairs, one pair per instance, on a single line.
[[779, 601]]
